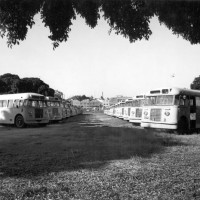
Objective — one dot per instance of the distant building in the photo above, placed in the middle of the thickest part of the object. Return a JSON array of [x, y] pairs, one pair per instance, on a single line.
[[118, 98], [94, 104], [75, 102], [85, 103], [106, 102]]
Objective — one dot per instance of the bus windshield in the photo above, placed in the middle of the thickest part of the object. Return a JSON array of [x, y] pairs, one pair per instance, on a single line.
[[159, 100], [35, 103], [137, 103]]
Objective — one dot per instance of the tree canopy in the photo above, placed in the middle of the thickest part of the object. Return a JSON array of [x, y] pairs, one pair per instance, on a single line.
[[129, 18], [81, 97], [11, 83], [195, 84]]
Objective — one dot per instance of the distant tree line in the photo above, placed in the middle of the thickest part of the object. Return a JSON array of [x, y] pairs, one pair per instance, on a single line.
[[81, 97], [11, 83]]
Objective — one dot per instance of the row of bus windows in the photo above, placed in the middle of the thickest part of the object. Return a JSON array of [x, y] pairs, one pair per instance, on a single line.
[[53, 103], [136, 103], [181, 100], [19, 103]]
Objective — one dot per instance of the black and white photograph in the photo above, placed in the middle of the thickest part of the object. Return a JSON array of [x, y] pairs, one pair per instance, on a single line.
[[99, 100]]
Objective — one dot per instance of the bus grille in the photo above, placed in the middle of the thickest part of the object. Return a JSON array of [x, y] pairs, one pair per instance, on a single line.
[[129, 111], [38, 113], [55, 111], [155, 115], [138, 112]]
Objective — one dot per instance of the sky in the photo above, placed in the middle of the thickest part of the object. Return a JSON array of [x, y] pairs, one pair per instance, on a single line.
[[93, 61]]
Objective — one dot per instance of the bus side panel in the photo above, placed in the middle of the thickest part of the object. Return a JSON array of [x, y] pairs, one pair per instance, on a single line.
[[198, 117], [6, 116]]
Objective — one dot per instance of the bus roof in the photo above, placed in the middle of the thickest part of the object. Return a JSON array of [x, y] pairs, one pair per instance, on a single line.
[[21, 96], [173, 91], [128, 100], [52, 98]]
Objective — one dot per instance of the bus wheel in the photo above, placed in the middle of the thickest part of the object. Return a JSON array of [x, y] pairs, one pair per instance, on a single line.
[[183, 127], [19, 121]]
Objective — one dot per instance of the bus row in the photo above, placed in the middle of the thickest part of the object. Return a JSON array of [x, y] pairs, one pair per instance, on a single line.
[[167, 108], [32, 108]]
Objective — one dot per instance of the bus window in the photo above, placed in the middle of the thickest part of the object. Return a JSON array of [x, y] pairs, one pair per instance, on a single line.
[[34, 103], [16, 103], [10, 103], [21, 103], [44, 104], [191, 102], [1, 103], [176, 100], [25, 102], [4, 103], [197, 101], [184, 101], [40, 104], [150, 101]]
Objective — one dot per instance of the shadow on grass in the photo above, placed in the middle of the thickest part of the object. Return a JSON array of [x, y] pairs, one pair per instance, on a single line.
[[87, 148]]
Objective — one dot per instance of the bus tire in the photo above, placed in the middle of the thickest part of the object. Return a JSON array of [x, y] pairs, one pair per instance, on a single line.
[[19, 121], [183, 127]]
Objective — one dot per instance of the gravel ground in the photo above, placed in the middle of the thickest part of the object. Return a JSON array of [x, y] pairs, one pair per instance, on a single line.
[[94, 156]]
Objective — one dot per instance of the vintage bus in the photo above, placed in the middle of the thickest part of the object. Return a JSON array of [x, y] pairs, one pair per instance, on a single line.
[[67, 109], [109, 110], [120, 109], [172, 108], [127, 109], [136, 109], [55, 109], [113, 110], [23, 108]]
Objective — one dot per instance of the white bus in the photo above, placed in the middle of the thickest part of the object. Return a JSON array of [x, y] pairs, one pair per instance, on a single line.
[[172, 108], [23, 108], [136, 109], [120, 109], [55, 109], [127, 108]]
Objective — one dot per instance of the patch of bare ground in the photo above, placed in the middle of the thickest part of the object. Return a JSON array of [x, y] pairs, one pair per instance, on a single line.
[[74, 161]]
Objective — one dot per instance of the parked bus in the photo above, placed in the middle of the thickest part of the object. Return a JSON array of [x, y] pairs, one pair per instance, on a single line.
[[120, 109], [172, 108], [127, 109], [136, 109], [23, 108], [55, 109], [67, 108]]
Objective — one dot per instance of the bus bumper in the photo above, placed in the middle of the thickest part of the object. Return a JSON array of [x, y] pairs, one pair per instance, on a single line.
[[126, 118], [136, 121], [158, 125]]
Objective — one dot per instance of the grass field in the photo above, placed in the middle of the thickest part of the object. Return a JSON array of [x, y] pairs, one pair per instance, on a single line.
[[85, 158]]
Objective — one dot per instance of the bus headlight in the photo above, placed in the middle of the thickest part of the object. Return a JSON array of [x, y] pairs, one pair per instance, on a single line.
[[167, 113]]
